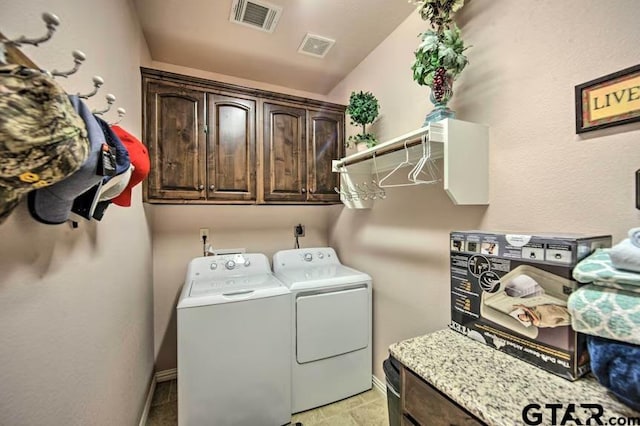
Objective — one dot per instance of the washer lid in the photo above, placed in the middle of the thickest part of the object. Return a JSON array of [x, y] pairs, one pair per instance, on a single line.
[[206, 291], [320, 276]]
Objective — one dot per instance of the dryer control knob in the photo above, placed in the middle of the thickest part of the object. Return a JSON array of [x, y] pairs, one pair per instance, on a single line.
[[213, 266], [320, 255], [230, 264], [247, 262], [308, 257]]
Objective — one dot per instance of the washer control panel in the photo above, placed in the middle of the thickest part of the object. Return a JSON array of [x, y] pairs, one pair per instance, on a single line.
[[230, 264], [298, 258]]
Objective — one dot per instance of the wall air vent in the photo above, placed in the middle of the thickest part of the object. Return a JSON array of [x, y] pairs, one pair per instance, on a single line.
[[255, 14], [315, 45]]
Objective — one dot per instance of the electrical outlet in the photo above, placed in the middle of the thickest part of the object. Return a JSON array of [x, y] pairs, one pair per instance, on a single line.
[[298, 230], [204, 232]]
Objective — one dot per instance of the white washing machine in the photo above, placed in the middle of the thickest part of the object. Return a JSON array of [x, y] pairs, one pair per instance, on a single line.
[[331, 319], [234, 343]]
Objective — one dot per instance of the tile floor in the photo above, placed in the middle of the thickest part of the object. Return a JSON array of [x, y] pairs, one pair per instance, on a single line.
[[366, 409]]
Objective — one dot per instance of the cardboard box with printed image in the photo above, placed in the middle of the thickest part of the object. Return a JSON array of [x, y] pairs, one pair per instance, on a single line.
[[510, 291]]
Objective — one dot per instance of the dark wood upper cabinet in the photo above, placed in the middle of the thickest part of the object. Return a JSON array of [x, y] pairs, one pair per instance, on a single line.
[[285, 166], [231, 161], [175, 138], [212, 142], [326, 143]]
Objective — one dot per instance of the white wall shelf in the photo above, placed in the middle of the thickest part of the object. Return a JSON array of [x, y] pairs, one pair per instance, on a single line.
[[463, 147]]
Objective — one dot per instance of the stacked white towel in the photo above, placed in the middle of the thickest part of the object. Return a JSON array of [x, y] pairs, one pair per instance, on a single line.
[[626, 254]]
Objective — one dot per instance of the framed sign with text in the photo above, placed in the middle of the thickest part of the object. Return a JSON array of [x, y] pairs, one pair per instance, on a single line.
[[608, 101]]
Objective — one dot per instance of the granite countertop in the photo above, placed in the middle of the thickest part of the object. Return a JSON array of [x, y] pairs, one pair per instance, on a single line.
[[495, 387]]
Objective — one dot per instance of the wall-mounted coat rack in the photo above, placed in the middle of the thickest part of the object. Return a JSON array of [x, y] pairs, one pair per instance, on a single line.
[[121, 113], [97, 83], [78, 59], [110, 100], [11, 54], [463, 147], [51, 21]]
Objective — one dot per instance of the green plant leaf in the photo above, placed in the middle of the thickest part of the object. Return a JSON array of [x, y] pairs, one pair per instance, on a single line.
[[444, 49], [448, 55], [429, 42], [367, 138], [363, 107]]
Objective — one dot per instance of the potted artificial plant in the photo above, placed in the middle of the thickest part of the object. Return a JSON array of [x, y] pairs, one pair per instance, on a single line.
[[439, 58], [363, 109]]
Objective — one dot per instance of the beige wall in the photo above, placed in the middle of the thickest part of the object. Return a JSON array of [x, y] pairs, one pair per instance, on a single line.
[[76, 320], [526, 58], [259, 229]]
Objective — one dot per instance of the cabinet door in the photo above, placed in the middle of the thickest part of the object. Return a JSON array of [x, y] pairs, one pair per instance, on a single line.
[[427, 406], [326, 142], [285, 169], [174, 134], [231, 161]]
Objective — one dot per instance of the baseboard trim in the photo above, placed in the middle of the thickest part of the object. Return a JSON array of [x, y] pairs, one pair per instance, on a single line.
[[165, 375], [147, 404], [379, 385], [159, 376]]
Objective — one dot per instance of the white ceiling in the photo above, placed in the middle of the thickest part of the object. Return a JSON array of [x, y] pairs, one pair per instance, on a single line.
[[198, 34]]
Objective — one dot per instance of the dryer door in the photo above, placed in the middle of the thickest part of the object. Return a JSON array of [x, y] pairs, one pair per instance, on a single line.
[[331, 324]]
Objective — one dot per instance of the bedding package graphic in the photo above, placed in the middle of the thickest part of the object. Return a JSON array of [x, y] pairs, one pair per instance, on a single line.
[[510, 291]]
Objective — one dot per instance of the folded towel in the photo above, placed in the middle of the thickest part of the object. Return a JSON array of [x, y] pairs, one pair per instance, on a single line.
[[626, 255], [606, 312], [617, 367], [618, 286], [634, 236], [598, 267]]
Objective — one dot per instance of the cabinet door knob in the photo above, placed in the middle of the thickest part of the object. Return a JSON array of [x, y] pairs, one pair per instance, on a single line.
[[310, 190], [303, 190], [201, 187], [212, 187]]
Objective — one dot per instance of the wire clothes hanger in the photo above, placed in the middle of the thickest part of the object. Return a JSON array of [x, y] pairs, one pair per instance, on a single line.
[[346, 195], [376, 192], [432, 171], [404, 163]]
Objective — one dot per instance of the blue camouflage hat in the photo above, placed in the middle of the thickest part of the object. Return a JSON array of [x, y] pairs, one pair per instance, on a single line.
[[42, 138], [52, 205], [111, 186]]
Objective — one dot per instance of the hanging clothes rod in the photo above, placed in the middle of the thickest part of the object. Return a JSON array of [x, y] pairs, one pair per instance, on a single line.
[[434, 132]]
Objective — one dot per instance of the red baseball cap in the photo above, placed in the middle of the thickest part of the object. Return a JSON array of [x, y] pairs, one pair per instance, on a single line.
[[139, 157]]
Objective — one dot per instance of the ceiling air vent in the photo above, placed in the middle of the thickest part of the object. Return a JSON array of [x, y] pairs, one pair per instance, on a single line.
[[255, 14], [315, 45]]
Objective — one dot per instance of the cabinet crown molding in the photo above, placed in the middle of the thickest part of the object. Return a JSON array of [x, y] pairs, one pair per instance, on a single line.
[[203, 83]]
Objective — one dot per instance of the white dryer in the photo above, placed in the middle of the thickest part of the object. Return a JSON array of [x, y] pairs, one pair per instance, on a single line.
[[234, 343], [331, 320]]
